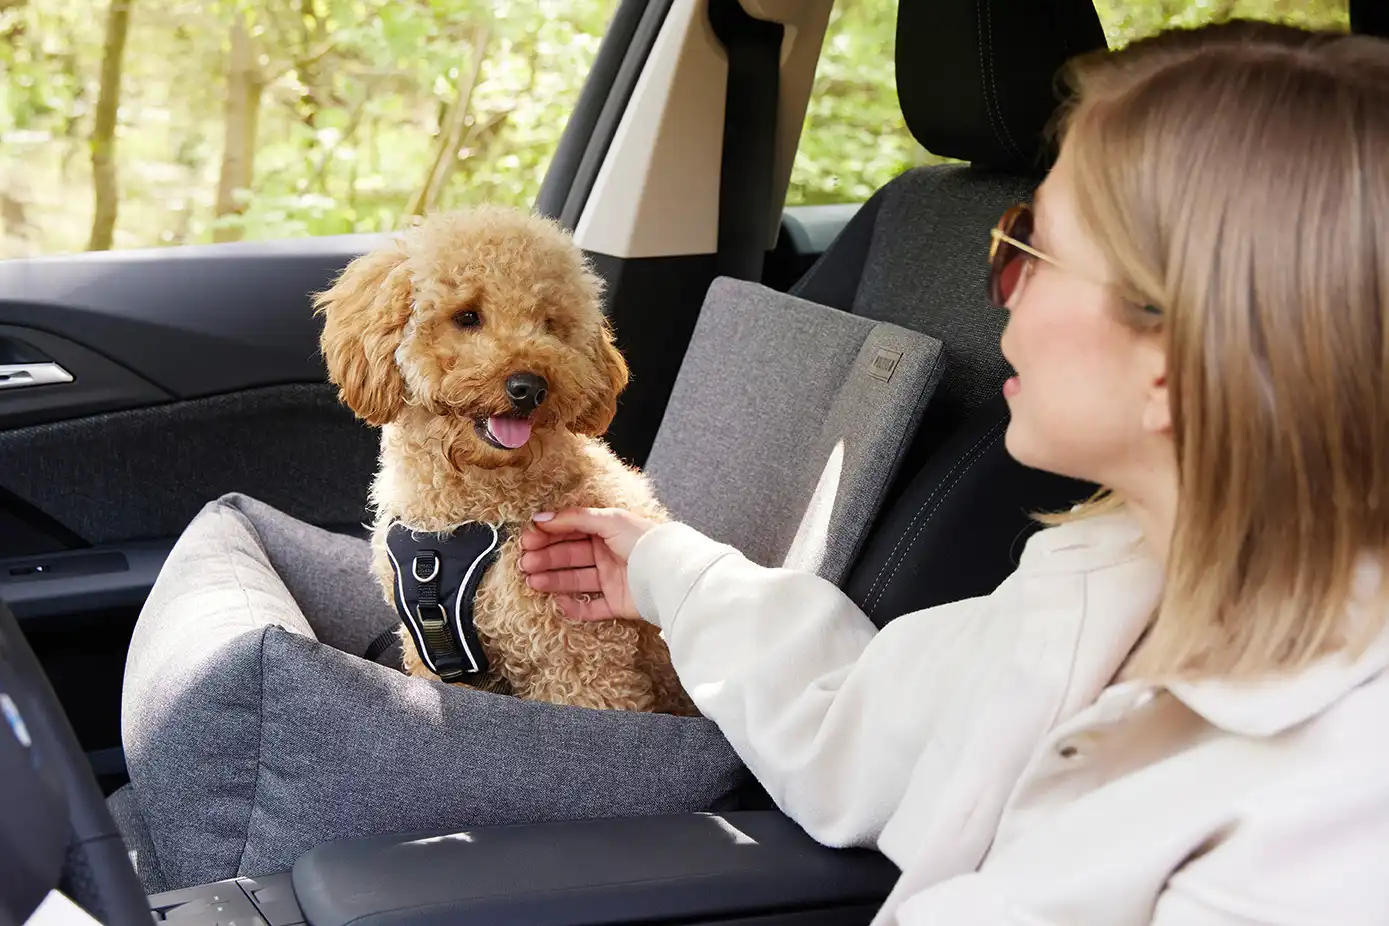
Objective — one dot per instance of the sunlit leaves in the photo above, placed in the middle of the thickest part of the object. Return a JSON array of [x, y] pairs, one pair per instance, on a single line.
[[357, 93], [855, 140]]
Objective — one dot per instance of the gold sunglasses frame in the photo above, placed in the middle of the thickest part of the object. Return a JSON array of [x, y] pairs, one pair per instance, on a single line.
[[996, 235]]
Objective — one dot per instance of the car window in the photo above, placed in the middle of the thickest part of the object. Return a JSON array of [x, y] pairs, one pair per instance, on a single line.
[[138, 123], [855, 140]]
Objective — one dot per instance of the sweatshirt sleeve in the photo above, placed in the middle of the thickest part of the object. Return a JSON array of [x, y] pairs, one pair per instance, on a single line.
[[837, 718]]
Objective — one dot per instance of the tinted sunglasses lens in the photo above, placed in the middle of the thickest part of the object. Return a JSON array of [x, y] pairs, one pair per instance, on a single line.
[[1006, 262]]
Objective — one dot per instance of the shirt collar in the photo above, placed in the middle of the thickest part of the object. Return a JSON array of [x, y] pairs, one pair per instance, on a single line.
[[1267, 707]]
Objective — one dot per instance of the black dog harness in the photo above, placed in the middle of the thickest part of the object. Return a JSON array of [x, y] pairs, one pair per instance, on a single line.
[[436, 579]]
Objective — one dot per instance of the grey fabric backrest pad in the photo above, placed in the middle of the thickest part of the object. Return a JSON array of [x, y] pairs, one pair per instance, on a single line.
[[784, 428]]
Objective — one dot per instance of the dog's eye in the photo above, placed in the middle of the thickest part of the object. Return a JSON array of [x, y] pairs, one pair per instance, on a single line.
[[468, 319]]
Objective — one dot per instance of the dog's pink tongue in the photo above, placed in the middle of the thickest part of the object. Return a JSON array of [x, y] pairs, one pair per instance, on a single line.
[[510, 432]]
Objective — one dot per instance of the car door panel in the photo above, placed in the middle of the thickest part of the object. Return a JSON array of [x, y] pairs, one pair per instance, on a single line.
[[193, 321], [195, 372], [96, 384], [47, 589], [142, 474]]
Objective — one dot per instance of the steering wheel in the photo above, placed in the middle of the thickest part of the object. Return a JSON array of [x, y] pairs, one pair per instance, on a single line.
[[60, 825]]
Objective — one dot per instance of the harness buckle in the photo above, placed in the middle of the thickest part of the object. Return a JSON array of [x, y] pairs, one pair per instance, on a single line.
[[442, 618]]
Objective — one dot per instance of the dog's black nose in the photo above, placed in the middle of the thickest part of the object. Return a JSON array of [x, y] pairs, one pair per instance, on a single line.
[[526, 391]]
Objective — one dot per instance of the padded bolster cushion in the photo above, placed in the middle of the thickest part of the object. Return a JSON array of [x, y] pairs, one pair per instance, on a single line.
[[250, 741], [787, 423]]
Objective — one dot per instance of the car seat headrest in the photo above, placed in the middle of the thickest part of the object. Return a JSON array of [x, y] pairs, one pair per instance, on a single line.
[[978, 79], [1370, 17]]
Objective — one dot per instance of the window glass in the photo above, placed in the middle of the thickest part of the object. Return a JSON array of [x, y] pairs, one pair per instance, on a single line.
[[138, 123], [1126, 20], [855, 139]]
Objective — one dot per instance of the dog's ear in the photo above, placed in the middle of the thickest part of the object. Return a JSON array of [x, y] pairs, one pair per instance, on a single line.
[[598, 416], [364, 314]]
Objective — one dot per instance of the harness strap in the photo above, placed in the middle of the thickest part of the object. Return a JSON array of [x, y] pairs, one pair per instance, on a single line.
[[437, 577], [380, 643]]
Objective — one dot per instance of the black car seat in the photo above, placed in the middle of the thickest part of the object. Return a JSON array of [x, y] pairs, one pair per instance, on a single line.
[[977, 82], [1370, 17]]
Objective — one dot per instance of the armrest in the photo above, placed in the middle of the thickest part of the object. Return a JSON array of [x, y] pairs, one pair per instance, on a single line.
[[692, 868]]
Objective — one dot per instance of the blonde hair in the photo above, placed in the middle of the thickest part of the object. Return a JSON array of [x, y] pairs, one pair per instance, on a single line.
[[1237, 177]]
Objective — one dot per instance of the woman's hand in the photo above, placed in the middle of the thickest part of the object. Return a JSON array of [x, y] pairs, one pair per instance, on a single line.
[[580, 556]]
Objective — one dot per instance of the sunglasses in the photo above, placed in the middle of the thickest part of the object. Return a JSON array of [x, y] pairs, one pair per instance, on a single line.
[[1010, 252]]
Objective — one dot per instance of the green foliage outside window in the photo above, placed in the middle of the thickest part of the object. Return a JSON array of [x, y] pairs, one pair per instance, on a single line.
[[141, 123]]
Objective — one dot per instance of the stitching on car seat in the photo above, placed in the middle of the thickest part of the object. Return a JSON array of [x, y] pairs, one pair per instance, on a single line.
[[984, 66], [963, 461], [940, 501], [1006, 138]]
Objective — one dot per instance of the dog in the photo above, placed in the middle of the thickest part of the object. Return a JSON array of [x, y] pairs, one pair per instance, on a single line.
[[476, 342]]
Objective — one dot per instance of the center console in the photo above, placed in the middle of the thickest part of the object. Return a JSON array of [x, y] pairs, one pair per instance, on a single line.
[[737, 868]]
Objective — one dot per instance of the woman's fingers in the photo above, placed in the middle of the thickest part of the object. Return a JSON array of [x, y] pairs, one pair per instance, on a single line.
[[601, 522], [535, 539], [566, 581], [616, 527], [569, 554]]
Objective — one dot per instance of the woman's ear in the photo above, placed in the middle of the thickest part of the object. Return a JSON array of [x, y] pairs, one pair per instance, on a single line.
[[602, 407], [364, 314], [1157, 404]]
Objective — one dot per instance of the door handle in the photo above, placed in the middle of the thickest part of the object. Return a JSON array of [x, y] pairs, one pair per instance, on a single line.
[[20, 375]]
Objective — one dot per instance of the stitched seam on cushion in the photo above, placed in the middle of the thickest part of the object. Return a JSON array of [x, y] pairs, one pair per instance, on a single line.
[[260, 754], [260, 722], [156, 867], [902, 539], [939, 501]]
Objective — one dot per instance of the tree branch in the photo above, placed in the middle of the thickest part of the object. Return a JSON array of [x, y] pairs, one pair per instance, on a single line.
[[104, 132], [451, 134]]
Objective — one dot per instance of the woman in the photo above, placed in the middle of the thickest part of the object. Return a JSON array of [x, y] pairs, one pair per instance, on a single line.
[[1175, 710]]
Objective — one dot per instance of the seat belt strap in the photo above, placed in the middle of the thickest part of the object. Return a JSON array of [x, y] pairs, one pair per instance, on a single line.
[[748, 167]]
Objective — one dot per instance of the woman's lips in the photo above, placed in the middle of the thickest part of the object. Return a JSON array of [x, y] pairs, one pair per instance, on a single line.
[[1011, 387]]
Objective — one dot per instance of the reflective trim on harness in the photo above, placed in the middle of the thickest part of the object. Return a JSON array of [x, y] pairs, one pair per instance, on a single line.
[[434, 595]]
